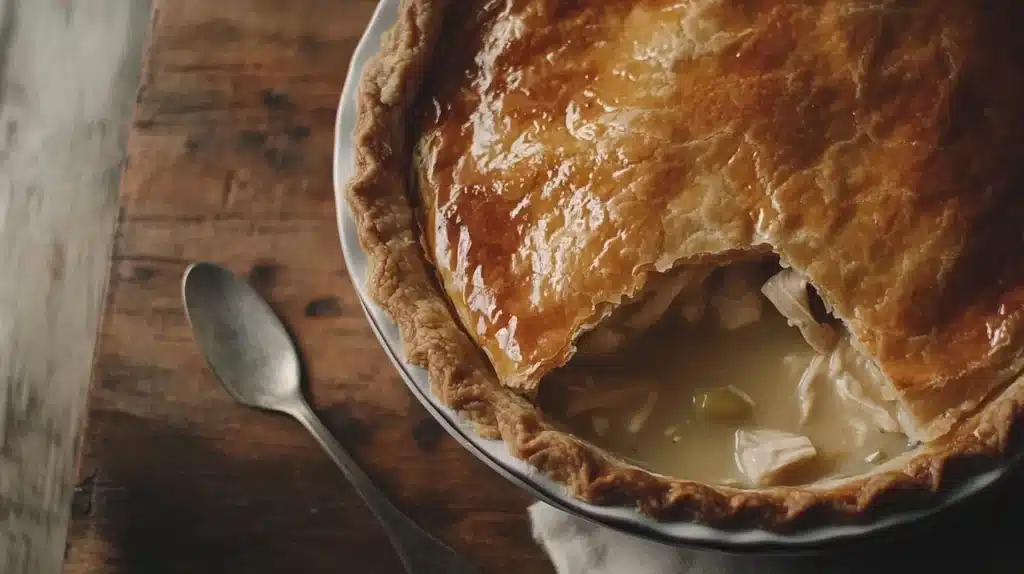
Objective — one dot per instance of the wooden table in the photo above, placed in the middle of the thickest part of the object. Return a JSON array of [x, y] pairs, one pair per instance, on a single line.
[[229, 160]]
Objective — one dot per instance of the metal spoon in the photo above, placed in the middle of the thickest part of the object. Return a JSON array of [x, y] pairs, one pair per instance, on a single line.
[[249, 350]]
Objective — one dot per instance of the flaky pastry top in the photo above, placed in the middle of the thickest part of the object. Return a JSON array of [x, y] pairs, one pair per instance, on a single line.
[[567, 151]]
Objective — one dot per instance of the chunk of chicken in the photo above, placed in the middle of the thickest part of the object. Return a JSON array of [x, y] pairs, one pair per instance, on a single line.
[[639, 418], [764, 455], [636, 317], [787, 290], [737, 302], [862, 385], [807, 388], [657, 303]]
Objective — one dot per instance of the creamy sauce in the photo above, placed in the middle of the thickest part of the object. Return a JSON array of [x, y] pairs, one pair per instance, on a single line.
[[662, 372]]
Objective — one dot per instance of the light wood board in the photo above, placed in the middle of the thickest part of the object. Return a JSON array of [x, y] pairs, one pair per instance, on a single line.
[[68, 72]]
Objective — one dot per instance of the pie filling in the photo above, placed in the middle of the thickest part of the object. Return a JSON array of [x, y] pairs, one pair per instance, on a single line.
[[735, 375]]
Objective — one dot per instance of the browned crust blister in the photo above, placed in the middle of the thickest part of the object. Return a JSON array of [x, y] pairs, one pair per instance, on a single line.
[[402, 282]]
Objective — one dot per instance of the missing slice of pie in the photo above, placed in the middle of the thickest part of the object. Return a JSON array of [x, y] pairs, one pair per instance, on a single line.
[[725, 260]]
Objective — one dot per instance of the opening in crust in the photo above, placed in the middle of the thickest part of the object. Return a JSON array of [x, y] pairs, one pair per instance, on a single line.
[[736, 375]]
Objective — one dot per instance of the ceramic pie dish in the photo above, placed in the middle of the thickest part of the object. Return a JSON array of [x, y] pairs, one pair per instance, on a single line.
[[424, 259]]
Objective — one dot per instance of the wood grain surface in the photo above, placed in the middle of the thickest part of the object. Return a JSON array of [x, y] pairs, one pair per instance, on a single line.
[[230, 161], [68, 73]]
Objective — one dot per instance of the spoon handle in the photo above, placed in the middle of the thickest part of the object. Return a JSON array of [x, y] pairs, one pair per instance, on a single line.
[[418, 550]]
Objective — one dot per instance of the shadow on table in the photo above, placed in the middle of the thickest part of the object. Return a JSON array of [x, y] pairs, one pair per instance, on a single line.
[[204, 510]]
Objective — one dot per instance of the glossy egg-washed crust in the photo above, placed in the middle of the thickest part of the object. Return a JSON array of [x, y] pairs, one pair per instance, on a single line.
[[895, 226]]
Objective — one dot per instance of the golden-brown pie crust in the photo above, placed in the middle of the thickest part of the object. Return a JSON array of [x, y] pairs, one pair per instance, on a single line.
[[402, 281]]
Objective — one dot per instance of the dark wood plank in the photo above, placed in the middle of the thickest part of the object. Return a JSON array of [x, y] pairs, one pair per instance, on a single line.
[[230, 161]]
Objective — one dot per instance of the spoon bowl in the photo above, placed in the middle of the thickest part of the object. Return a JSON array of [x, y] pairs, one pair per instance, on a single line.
[[244, 342]]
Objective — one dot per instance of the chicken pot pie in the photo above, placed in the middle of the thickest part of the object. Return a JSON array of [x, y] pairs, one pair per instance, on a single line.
[[729, 261]]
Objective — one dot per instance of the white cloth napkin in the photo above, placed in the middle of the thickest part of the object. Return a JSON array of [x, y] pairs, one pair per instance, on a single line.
[[577, 546]]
